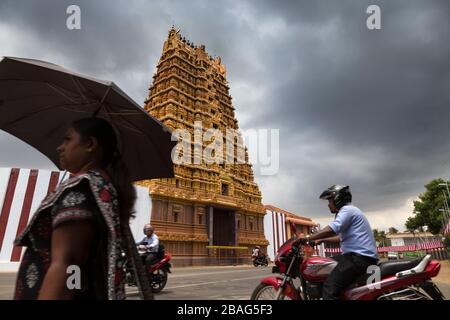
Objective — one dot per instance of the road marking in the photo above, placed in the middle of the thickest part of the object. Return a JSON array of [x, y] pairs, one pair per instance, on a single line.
[[205, 273], [201, 284]]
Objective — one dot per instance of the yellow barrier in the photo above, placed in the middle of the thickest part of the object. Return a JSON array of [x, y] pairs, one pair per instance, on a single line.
[[226, 247], [227, 254]]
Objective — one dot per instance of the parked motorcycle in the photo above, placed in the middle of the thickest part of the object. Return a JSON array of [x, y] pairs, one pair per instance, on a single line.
[[399, 280], [157, 272]]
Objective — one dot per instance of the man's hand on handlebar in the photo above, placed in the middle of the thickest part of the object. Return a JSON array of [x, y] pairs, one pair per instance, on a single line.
[[303, 241]]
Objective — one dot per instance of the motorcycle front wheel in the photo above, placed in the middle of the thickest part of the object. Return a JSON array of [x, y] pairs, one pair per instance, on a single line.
[[266, 291]]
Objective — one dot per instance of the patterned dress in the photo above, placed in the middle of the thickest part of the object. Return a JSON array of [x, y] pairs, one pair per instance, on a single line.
[[88, 196]]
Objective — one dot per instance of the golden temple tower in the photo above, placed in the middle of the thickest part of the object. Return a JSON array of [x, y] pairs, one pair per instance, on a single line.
[[216, 204]]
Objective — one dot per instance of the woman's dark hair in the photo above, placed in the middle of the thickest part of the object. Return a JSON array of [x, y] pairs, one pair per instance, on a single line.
[[112, 162]]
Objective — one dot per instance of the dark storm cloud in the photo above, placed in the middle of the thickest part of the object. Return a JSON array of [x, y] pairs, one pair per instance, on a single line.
[[116, 40], [366, 108], [363, 90]]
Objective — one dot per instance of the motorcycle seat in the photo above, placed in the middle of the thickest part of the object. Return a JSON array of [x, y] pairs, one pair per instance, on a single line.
[[387, 268], [392, 267]]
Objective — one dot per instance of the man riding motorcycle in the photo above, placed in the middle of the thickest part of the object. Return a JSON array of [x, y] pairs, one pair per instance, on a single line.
[[149, 246], [353, 230], [259, 257], [256, 252]]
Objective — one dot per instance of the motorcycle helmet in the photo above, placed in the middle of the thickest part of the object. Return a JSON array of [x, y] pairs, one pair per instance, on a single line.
[[340, 195]]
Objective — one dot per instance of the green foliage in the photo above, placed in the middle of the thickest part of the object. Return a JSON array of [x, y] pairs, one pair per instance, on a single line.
[[380, 237], [426, 209], [392, 230]]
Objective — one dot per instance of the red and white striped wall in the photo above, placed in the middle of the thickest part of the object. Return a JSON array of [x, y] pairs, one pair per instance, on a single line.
[[436, 244], [274, 231], [415, 247], [332, 251], [21, 192]]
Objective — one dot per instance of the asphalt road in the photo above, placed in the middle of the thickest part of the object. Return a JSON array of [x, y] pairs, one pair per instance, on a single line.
[[198, 283], [230, 282], [210, 283]]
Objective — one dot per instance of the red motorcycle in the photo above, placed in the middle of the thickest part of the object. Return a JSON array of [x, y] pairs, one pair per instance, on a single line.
[[157, 272], [398, 280]]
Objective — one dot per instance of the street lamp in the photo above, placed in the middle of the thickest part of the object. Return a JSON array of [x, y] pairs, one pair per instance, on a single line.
[[446, 185], [446, 207], [448, 193], [443, 217]]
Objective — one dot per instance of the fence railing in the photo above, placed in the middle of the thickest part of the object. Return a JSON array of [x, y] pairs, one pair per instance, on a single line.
[[436, 250]]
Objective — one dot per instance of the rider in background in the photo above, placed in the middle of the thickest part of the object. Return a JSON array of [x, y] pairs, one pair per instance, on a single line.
[[256, 252], [353, 230], [149, 245]]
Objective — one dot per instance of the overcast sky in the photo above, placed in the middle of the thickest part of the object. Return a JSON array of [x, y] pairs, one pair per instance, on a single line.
[[367, 108]]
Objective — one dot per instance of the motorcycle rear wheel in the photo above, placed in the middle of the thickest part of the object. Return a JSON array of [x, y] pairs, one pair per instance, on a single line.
[[266, 291], [158, 280], [432, 290]]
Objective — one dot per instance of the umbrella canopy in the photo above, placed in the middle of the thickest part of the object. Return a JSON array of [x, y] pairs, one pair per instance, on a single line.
[[39, 100]]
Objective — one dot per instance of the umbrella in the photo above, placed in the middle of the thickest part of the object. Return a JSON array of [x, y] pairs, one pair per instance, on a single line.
[[39, 100]]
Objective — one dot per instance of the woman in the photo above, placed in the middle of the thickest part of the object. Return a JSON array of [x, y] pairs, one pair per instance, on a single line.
[[83, 223]]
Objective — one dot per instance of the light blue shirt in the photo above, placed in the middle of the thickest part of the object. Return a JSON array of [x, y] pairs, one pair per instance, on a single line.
[[355, 232], [152, 243]]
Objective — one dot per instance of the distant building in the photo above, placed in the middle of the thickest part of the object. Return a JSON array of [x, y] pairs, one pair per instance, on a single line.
[[278, 227], [409, 238]]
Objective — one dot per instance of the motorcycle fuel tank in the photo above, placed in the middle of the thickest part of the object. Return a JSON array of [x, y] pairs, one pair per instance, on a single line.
[[317, 268]]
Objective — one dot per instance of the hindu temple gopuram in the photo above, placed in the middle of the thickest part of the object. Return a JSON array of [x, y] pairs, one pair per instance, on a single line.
[[205, 205]]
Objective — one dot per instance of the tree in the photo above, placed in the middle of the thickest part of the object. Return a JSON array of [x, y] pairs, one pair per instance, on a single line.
[[426, 209], [380, 237], [376, 235], [392, 230]]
